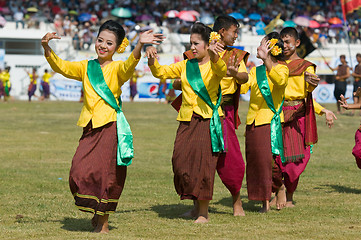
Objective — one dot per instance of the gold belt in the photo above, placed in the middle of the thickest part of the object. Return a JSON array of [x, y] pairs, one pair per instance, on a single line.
[[227, 100], [293, 102]]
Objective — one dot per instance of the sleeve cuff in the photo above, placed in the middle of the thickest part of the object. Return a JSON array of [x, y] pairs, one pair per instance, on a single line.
[[133, 59]]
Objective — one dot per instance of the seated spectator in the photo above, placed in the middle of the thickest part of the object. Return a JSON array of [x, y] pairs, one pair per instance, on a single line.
[[19, 18], [33, 21], [58, 24], [133, 37], [331, 35], [87, 37], [323, 39], [66, 26], [77, 41]]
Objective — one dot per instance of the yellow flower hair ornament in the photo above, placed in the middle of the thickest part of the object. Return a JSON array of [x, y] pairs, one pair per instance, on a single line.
[[276, 50], [123, 46], [272, 42], [214, 36]]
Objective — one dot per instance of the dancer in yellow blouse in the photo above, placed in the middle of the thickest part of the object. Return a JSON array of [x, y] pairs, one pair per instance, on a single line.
[[98, 170], [299, 128], [263, 149], [45, 84], [33, 82], [133, 84], [230, 166], [199, 137], [5, 78]]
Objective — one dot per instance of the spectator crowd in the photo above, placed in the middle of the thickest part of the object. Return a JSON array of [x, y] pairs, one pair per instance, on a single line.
[[81, 19]]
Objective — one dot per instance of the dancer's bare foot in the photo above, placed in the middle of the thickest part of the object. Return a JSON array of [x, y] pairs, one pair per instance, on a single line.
[[102, 226], [201, 219], [203, 211], [193, 213], [95, 220], [289, 203], [281, 198], [237, 205], [266, 207]]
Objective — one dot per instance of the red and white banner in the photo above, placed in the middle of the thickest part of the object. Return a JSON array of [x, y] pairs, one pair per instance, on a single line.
[[348, 6]]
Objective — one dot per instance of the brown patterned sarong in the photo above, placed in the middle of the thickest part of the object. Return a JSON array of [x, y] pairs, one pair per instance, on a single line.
[[96, 181], [194, 163], [293, 132], [263, 173]]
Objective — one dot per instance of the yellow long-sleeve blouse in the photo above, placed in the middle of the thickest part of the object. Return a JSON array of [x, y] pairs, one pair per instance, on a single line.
[[32, 79], [258, 111], [297, 88], [5, 78], [318, 108], [95, 108], [229, 84], [46, 77], [212, 74]]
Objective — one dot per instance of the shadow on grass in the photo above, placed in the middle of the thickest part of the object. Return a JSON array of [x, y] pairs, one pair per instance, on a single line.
[[248, 206], [171, 211], [174, 211], [78, 225], [344, 189]]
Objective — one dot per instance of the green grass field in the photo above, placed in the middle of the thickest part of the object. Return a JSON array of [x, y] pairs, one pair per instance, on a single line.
[[38, 140]]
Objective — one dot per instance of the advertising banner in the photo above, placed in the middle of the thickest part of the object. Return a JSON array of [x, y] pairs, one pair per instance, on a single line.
[[65, 90]]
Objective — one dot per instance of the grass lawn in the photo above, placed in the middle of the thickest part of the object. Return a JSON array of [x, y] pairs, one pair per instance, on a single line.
[[38, 140]]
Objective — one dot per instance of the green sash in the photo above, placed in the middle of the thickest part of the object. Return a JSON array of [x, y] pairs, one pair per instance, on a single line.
[[125, 151], [6, 89], [276, 127], [195, 80]]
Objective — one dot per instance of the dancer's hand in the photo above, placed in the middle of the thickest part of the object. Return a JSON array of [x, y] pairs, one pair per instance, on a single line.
[[148, 37], [330, 117], [343, 102], [232, 67], [49, 36], [151, 53], [312, 79], [215, 47], [263, 50]]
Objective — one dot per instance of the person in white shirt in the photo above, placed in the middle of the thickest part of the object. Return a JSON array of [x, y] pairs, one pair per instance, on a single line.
[[19, 17]]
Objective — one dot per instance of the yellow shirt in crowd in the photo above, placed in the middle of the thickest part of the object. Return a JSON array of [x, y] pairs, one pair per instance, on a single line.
[[297, 88], [211, 73], [5, 78], [229, 84], [46, 77], [95, 108], [32, 79], [258, 110]]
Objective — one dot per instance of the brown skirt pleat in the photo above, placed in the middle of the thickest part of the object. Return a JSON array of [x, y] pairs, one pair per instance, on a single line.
[[95, 180], [194, 163], [263, 174]]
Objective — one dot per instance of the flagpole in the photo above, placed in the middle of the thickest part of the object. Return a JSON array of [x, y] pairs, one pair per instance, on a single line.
[[345, 29], [348, 43]]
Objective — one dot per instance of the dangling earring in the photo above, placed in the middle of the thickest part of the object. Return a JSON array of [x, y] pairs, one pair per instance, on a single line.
[[123, 46]]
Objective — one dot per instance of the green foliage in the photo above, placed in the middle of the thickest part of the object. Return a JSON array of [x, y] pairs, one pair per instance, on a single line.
[[38, 140]]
